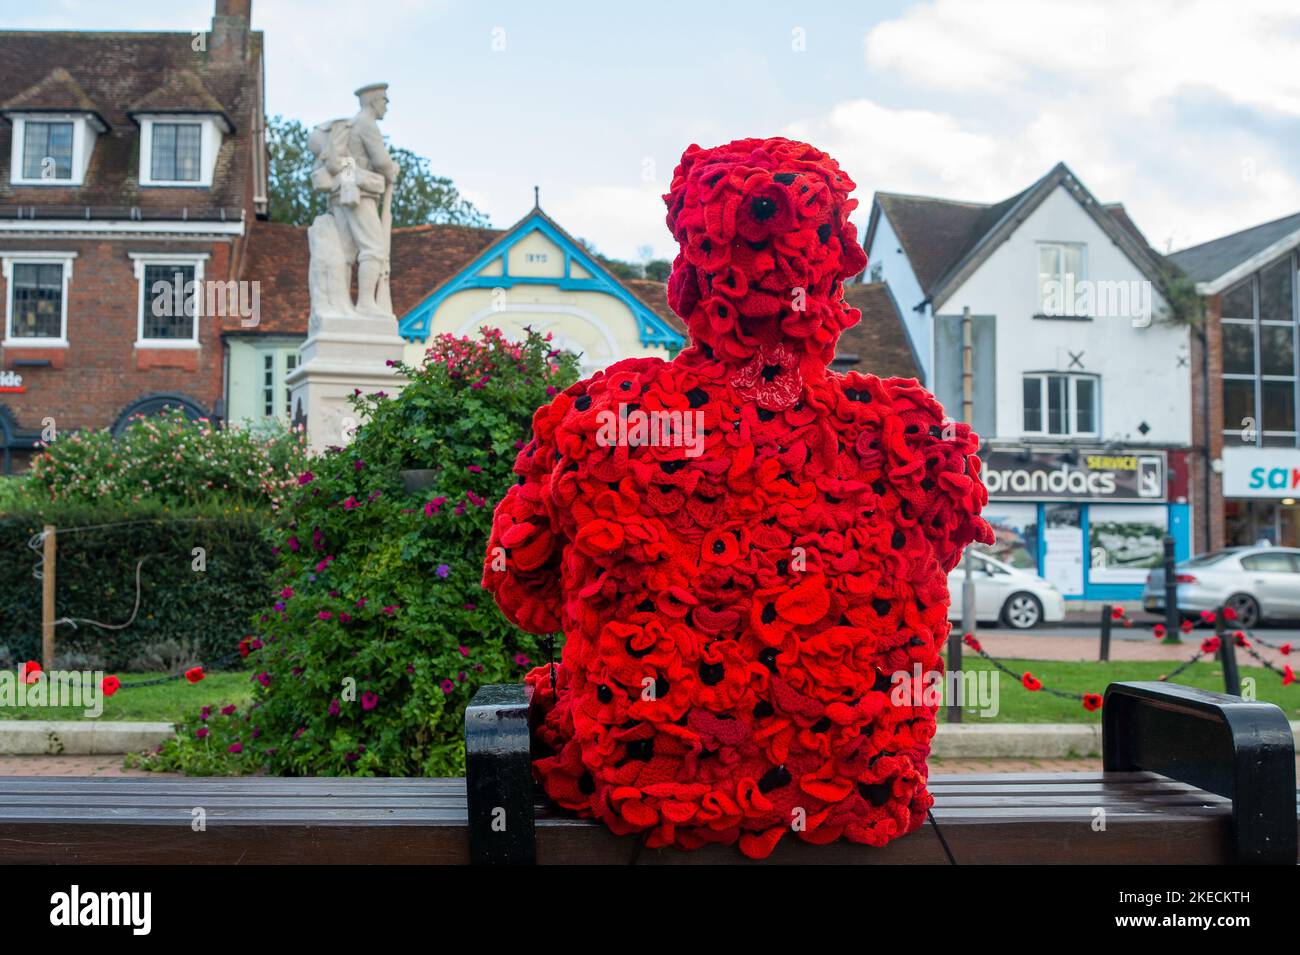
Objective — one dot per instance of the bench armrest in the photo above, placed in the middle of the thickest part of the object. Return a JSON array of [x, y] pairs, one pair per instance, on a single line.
[[499, 777], [1223, 744]]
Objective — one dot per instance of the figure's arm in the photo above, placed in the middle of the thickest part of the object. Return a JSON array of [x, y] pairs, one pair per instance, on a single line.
[[522, 565], [372, 140], [936, 470]]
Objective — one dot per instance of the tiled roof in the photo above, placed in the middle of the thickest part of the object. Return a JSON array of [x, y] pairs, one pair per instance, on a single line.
[[655, 296], [114, 72], [57, 92], [181, 92], [877, 345], [941, 236], [937, 233], [1209, 260], [423, 257]]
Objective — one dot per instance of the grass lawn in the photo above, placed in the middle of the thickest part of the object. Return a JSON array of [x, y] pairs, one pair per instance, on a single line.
[[1018, 705], [166, 702], [176, 699]]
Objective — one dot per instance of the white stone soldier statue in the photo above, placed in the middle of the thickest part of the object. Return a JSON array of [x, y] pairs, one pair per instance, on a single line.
[[355, 168]]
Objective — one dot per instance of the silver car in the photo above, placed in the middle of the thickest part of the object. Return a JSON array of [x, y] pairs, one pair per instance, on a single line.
[[1259, 583]]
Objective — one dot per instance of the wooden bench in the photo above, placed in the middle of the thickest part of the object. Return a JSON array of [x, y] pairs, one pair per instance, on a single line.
[[1190, 777]]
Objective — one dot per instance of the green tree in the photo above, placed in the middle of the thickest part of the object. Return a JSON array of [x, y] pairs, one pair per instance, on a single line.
[[420, 196]]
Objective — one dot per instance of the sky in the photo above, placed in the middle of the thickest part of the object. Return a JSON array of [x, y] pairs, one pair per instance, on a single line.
[[1186, 111]]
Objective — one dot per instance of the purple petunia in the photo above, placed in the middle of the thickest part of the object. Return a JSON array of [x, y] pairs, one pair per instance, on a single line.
[[369, 700]]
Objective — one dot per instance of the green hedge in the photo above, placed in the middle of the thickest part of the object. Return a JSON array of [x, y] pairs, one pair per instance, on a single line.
[[209, 609]]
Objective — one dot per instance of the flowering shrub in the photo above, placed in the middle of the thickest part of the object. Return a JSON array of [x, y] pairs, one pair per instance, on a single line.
[[170, 459], [378, 633]]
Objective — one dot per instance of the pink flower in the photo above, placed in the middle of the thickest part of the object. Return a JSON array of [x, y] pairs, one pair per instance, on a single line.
[[361, 602], [447, 686], [334, 708], [306, 477], [286, 593], [201, 732], [228, 710], [474, 469], [521, 660], [464, 651], [369, 700], [390, 609], [236, 748], [351, 503], [325, 615]]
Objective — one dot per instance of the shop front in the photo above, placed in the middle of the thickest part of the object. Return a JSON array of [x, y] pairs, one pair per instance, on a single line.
[[1261, 496], [1090, 520]]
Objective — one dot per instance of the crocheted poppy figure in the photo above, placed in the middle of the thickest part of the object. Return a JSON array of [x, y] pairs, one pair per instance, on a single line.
[[741, 546]]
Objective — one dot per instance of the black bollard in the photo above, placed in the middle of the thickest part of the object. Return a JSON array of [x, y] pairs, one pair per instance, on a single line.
[[1227, 655], [1105, 632], [1173, 619]]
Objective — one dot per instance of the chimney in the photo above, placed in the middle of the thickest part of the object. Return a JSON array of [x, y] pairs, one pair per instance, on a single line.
[[230, 26]]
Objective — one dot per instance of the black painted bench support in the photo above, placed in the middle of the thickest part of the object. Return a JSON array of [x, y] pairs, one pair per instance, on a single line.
[[1223, 744], [499, 777]]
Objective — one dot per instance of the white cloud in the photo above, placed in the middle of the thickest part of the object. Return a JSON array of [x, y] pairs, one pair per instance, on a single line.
[[1143, 52], [1181, 111]]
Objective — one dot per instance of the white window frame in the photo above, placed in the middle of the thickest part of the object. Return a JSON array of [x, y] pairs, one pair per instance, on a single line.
[[280, 354], [7, 261], [192, 260], [85, 127], [1059, 275], [1071, 410], [209, 145]]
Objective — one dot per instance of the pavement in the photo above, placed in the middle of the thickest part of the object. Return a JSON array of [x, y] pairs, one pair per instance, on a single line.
[[1127, 643]]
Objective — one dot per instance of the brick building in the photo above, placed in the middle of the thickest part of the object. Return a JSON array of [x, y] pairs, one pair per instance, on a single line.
[[1246, 366], [128, 161]]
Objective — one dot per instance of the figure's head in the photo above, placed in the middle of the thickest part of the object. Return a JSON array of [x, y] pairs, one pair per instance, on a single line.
[[765, 243], [375, 98]]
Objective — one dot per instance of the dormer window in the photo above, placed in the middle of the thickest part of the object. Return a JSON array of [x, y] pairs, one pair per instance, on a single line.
[[178, 150], [54, 128], [51, 149]]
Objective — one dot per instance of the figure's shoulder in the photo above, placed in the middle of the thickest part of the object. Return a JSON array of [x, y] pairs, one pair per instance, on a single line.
[[893, 394], [623, 381]]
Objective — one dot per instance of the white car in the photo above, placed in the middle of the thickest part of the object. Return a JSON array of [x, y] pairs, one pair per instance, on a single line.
[[1018, 598]]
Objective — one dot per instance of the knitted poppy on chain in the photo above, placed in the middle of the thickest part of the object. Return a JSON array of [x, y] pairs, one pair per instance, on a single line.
[[738, 582]]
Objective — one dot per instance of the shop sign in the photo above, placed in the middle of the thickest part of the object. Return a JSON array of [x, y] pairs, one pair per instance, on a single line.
[[1074, 474], [11, 383], [1261, 472]]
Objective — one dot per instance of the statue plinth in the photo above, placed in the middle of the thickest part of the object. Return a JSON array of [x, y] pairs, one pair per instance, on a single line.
[[341, 355]]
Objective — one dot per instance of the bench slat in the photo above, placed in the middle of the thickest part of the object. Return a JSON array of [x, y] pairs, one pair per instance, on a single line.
[[256, 820]]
